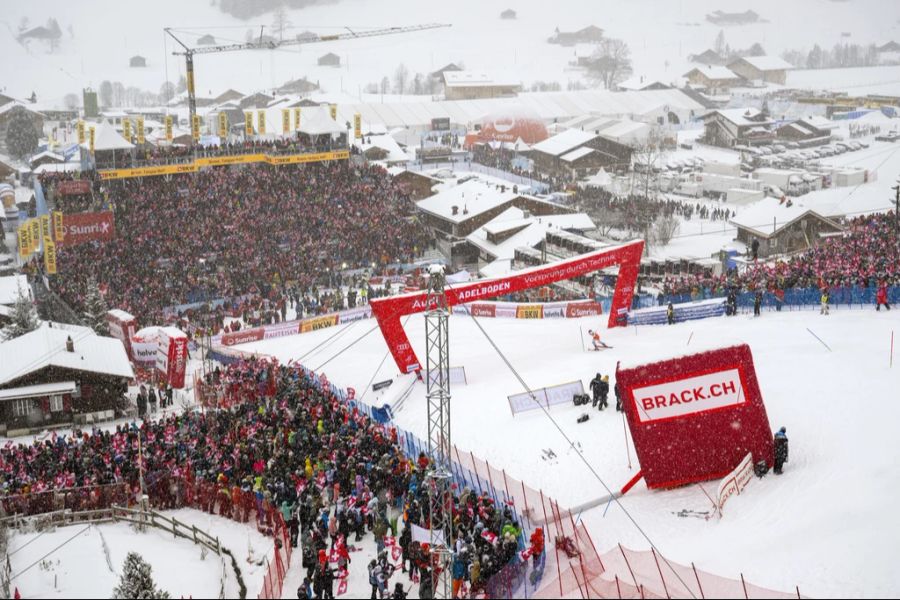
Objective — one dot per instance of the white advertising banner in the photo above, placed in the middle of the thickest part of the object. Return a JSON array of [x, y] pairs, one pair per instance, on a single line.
[[735, 482], [695, 395]]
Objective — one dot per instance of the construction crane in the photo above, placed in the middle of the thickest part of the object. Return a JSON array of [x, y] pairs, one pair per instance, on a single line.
[[268, 44]]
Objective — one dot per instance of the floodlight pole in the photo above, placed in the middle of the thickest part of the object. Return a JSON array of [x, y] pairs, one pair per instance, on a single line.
[[437, 373]]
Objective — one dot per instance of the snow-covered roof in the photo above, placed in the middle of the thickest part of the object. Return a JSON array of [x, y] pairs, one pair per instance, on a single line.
[[41, 389], [562, 143], [9, 288], [47, 154], [820, 123], [107, 138], [57, 168], [742, 116], [499, 268], [11, 105], [800, 129], [533, 230], [714, 72], [475, 79], [623, 128], [120, 314], [471, 198], [387, 143], [766, 63], [548, 106], [883, 80], [46, 346], [576, 154], [769, 215]]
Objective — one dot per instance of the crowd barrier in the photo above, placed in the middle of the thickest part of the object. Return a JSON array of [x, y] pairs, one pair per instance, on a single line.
[[846, 297], [572, 309], [690, 311], [546, 397], [220, 161]]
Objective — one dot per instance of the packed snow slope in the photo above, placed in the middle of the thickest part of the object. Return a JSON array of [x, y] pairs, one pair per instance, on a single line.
[[661, 35], [824, 525], [88, 561]]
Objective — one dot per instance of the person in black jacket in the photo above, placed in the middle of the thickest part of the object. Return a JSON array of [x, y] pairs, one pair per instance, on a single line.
[[604, 392], [618, 392], [670, 314], [731, 304], [596, 386], [757, 303], [781, 450]]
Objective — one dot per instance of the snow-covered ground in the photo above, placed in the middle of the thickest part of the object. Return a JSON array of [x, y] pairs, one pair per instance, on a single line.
[[821, 526], [89, 562], [104, 36]]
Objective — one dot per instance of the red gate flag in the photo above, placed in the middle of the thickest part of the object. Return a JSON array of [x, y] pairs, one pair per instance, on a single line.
[[79, 228], [695, 417], [389, 310]]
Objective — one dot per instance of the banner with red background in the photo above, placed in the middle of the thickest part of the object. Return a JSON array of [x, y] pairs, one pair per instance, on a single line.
[[79, 228], [388, 311], [694, 418]]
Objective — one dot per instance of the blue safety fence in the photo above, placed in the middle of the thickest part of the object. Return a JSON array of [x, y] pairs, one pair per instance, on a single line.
[[843, 298], [683, 312]]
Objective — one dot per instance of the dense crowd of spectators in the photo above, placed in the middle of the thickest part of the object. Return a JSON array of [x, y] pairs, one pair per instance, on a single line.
[[330, 470], [637, 213], [270, 233], [150, 155], [868, 256]]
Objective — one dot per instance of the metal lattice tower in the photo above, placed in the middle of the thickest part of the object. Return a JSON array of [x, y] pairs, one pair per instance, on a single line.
[[437, 362]]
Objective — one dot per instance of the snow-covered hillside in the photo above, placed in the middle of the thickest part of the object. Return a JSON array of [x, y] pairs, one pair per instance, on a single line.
[[661, 35], [820, 526]]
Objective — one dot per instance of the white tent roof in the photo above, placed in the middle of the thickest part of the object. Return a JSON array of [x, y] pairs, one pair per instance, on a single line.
[[317, 121], [548, 106], [107, 138]]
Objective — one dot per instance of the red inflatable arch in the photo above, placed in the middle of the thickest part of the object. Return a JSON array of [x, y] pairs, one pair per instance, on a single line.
[[389, 310]]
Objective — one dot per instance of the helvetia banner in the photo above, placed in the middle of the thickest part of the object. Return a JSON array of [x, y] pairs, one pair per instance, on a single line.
[[695, 417]]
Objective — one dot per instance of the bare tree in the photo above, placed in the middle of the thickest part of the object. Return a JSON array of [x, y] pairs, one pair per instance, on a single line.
[[106, 93], [281, 22], [611, 63], [646, 157], [719, 46], [401, 77], [71, 101], [166, 92], [664, 229]]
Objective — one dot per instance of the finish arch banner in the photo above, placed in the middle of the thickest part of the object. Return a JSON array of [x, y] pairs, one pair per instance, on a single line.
[[627, 257], [695, 417]]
